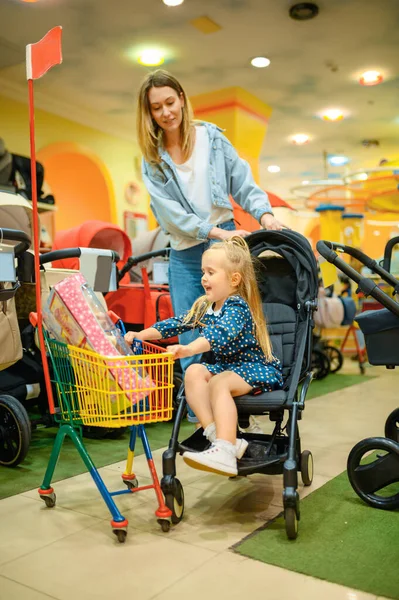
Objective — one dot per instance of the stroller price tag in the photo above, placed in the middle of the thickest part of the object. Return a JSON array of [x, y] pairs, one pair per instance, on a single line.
[[160, 271], [7, 264]]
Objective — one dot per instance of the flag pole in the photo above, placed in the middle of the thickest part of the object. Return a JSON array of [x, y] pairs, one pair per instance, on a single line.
[[36, 249], [40, 57]]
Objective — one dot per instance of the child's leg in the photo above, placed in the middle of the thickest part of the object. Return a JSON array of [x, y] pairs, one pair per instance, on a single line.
[[223, 388], [196, 383]]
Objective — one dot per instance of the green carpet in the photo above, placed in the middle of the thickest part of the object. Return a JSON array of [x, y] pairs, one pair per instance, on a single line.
[[30, 473], [104, 452], [334, 382], [341, 539]]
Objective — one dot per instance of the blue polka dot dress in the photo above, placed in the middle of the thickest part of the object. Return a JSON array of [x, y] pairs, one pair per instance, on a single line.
[[229, 332]]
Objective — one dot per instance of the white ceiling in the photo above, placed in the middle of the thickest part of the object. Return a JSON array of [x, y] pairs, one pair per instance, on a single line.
[[97, 82]]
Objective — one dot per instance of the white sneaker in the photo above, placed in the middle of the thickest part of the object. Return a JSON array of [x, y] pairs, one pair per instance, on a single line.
[[220, 458], [241, 444], [254, 426]]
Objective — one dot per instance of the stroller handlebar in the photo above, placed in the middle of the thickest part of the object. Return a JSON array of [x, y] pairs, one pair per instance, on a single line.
[[367, 285], [132, 261], [73, 253], [15, 235], [388, 252]]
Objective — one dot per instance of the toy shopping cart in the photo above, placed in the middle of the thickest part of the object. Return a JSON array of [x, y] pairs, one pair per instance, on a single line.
[[105, 391]]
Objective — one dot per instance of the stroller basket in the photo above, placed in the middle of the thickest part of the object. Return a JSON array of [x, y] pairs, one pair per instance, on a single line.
[[381, 332], [106, 391]]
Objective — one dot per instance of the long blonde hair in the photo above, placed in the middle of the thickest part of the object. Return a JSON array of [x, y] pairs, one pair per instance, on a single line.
[[238, 260], [149, 134]]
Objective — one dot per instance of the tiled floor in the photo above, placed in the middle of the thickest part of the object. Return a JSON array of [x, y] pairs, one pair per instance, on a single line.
[[70, 553]]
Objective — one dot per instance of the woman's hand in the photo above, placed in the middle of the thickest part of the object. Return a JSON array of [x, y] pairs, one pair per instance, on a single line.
[[180, 351], [268, 221], [229, 234]]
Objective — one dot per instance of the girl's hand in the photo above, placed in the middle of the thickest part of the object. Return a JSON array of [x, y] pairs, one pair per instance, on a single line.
[[131, 335], [180, 351]]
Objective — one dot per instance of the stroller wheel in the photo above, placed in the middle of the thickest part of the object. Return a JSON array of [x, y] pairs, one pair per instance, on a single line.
[[335, 357], [307, 467], [372, 474], [392, 426], [15, 431], [291, 523], [174, 500], [320, 364]]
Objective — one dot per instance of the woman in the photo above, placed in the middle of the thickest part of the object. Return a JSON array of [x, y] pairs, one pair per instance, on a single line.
[[190, 169]]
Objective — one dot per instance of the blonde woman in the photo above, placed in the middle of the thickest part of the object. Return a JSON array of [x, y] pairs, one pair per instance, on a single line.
[[190, 169], [231, 324]]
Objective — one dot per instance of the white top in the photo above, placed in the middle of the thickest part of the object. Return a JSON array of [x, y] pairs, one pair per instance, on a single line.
[[194, 179]]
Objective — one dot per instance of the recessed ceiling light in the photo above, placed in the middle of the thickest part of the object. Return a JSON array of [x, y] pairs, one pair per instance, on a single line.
[[300, 138], [151, 58], [273, 169], [370, 78], [338, 160], [333, 114], [260, 62], [302, 11], [173, 2], [306, 182], [362, 176]]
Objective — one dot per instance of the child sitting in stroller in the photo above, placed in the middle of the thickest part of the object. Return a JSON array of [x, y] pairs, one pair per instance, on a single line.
[[232, 325]]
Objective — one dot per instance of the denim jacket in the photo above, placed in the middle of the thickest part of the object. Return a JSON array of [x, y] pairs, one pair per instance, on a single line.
[[229, 175]]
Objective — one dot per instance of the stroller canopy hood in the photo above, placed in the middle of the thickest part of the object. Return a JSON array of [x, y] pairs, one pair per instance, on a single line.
[[92, 234], [296, 250]]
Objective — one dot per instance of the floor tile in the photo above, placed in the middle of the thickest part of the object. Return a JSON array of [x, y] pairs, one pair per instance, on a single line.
[[91, 565], [221, 577], [10, 590], [27, 525]]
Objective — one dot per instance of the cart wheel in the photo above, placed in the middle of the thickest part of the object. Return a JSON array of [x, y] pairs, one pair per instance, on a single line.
[[175, 502], [15, 431], [307, 467], [165, 525], [362, 368], [121, 535], [392, 426], [371, 474], [131, 483], [291, 523], [320, 364], [49, 499], [335, 357]]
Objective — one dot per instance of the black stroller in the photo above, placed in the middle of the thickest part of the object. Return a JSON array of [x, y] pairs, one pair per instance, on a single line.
[[372, 475], [287, 279]]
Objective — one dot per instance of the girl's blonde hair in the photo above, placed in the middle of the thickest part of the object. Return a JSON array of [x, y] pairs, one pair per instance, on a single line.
[[238, 260], [149, 134]]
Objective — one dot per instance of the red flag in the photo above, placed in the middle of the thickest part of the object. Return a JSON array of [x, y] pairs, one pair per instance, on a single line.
[[43, 55]]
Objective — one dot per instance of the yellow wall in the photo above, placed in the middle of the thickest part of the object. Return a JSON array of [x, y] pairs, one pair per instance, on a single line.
[[115, 155]]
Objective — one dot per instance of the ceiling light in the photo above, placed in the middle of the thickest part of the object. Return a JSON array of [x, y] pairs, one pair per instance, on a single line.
[[273, 169], [302, 11], [173, 2], [260, 62], [338, 160], [300, 138], [333, 114], [151, 58], [362, 176], [370, 78], [306, 182]]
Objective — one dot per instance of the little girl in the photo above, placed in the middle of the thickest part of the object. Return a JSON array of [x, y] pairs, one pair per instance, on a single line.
[[231, 324]]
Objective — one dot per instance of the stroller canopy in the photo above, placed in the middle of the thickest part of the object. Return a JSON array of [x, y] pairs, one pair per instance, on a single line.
[[292, 281], [92, 234]]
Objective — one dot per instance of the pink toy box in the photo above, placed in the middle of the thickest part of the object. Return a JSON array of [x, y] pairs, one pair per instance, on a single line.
[[75, 315]]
